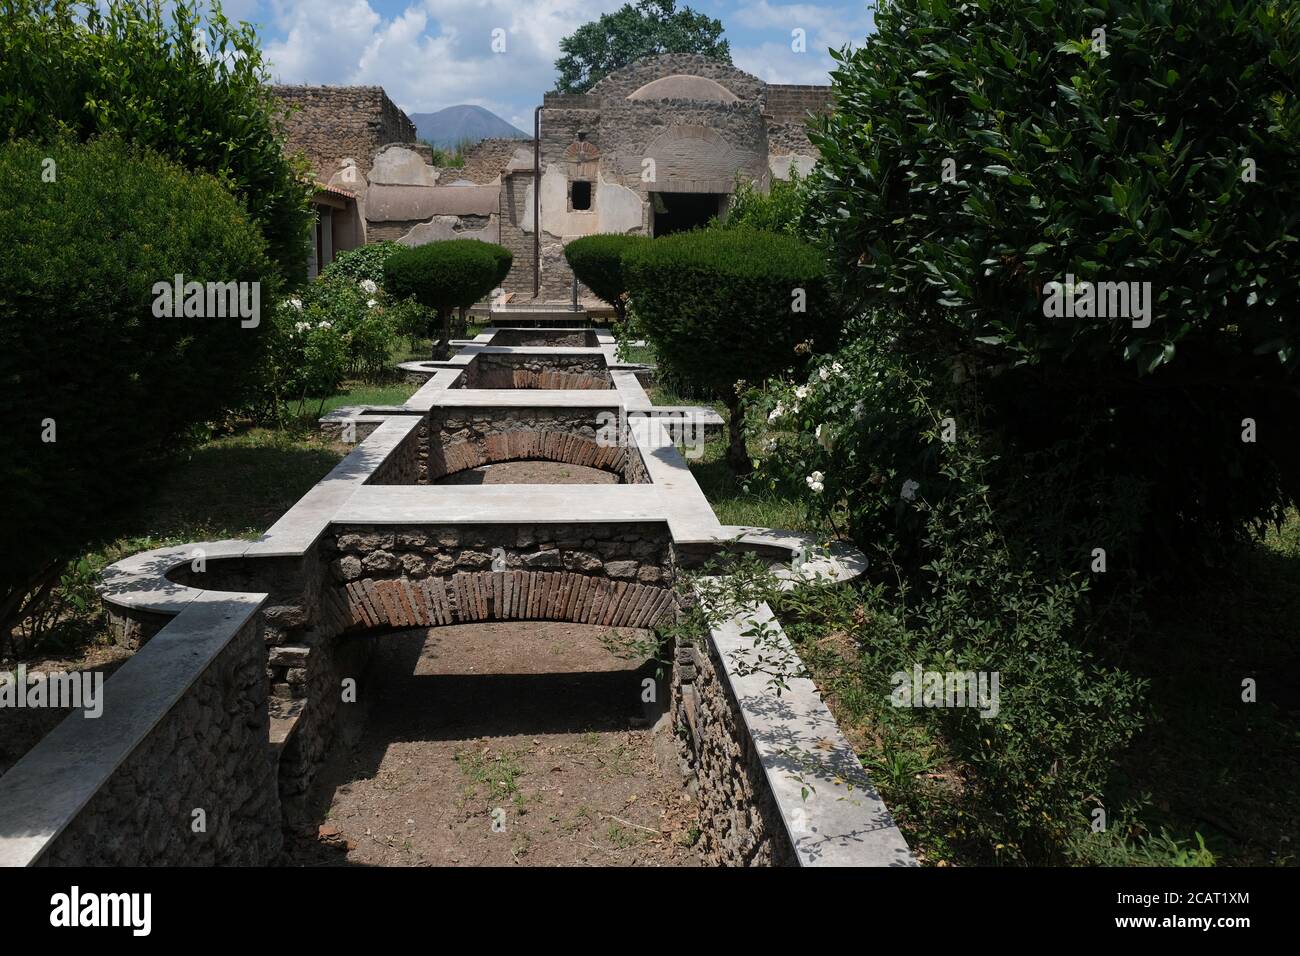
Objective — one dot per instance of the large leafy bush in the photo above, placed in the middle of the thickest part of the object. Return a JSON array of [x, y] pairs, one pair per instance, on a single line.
[[180, 79], [982, 150], [863, 440], [725, 306], [307, 357], [366, 264], [443, 276], [597, 261], [358, 312], [779, 209], [81, 351], [362, 263]]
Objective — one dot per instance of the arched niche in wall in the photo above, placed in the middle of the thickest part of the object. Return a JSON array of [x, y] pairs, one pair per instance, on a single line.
[[681, 86], [689, 158]]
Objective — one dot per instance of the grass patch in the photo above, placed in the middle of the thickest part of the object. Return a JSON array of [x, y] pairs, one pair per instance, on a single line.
[[1209, 761], [1210, 781], [360, 394], [621, 838], [491, 775], [233, 486], [735, 501]]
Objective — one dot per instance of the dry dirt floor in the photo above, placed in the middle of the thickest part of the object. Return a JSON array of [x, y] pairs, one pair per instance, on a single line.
[[530, 473], [502, 744]]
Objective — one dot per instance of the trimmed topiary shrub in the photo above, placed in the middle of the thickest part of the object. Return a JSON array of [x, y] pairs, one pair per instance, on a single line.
[[982, 155], [443, 276], [505, 259], [99, 383], [723, 307], [179, 78], [597, 261]]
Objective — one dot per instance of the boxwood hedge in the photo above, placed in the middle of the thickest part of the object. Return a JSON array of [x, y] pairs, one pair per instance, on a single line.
[[98, 389]]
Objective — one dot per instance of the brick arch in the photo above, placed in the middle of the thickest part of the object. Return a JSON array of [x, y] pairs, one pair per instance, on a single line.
[[526, 445], [468, 597], [690, 157]]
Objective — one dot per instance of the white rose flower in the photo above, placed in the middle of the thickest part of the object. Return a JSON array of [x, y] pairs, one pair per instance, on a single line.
[[325, 325], [295, 304], [301, 326], [801, 392], [371, 303], [909, 489], [368, 285], [824, 373], [776, 412]]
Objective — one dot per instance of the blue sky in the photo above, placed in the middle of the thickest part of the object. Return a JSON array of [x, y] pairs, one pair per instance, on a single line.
[[433, 53]]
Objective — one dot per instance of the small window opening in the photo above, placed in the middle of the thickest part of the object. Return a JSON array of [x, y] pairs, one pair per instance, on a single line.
[[581, 195]]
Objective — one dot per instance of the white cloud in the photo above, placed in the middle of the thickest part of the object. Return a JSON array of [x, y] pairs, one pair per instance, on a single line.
[[825, 27], [775, 63], [435, 53]]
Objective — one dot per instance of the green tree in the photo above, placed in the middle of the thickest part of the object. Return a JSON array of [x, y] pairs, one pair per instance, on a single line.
[[180, 79], [650, 27]]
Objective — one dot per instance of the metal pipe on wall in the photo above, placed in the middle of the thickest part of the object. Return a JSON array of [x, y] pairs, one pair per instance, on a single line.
[[537, 202]]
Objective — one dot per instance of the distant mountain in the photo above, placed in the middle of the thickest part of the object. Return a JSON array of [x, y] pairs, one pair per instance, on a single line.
[[449, 126]]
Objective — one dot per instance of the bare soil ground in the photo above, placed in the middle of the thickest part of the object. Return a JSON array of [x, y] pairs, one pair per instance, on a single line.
[[502, 744], [530, 473], [21, 728]]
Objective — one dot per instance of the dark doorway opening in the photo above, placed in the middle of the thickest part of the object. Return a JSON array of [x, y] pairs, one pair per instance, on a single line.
[[678, 212]]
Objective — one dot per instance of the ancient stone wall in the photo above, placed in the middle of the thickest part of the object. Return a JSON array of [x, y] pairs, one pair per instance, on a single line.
[[308, 680], [516, 210], [740, 822], [546, 338], [783, 138], [793, 103], [506, 370], [335, 122], [487, 159], [616, 575], [209, 752], [621, 83], [407, 463], [696, 147], [304, 662]]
